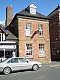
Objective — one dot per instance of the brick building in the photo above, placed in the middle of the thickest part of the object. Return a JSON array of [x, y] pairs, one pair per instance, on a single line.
[[54, 26], [32, 30]]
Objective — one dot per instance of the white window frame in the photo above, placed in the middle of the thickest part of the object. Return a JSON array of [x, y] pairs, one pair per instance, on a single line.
[[28, 29], [29, 55], [41, 50], [2, 37], [40, 30]]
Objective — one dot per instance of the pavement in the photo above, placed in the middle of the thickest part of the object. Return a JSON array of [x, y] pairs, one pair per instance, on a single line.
[[52, 64]]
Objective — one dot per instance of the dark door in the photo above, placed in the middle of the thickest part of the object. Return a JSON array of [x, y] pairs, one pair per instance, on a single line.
[[55, 55], [8, 54]]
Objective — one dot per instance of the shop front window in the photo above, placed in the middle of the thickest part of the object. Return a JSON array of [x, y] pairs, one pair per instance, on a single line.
[[1, 54]]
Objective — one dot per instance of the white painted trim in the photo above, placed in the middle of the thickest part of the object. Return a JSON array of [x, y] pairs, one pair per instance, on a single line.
[[7, 46], [7, 41], [33, 6]]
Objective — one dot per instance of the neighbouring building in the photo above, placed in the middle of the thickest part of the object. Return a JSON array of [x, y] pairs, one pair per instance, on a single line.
[[54, 27], [8, 44], [32, 30]]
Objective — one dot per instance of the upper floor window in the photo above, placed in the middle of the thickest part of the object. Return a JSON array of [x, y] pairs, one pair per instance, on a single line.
[[40, 29], [28, 30], [2, 37]]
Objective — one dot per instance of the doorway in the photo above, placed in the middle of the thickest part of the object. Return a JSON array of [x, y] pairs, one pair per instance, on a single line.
[[55, 55], [8, 54]]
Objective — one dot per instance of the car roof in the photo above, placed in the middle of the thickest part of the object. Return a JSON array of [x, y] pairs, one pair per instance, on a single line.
[[10, 59]]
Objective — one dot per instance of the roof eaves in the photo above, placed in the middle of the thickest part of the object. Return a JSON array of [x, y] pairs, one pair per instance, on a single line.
[[55, 10], [32, 16]]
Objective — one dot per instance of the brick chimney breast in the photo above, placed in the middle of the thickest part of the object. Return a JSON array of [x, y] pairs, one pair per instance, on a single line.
[[8, 15]]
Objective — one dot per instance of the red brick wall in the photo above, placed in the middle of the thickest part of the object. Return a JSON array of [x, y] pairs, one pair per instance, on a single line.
[[36, 40], [8, 15]]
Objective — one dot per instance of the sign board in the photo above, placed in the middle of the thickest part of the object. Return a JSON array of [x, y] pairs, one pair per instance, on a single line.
[[7, 46]]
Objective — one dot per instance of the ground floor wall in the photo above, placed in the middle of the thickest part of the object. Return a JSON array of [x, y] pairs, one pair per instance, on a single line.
[[42, 55]]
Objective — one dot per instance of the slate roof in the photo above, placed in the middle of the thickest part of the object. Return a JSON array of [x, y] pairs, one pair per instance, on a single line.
[[26, 13], [10, 36]]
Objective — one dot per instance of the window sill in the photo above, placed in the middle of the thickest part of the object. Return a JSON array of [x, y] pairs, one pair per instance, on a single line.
[[41, 36], [28, 36], [29, 56], [41, 56]]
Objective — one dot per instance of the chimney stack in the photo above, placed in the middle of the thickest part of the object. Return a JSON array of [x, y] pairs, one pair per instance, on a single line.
[[8, 15]]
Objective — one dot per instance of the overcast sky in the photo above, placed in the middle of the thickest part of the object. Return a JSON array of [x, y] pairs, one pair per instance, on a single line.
[[43, 6]]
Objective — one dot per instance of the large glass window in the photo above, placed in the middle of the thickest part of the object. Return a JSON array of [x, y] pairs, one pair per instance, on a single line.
[[1, 54], [40, 29], [41, 50], [29, 50], [28, 29]]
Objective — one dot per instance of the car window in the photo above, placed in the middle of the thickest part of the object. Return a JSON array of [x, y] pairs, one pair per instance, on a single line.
[[14, 60], [22, 60], [9, 61]]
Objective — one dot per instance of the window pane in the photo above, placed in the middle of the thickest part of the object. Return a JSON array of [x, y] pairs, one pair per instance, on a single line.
[[28, 29], [28, 26], [14, 60], [41, 50], [40, 29], [29, 49], [22, 60], [9, 61]]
